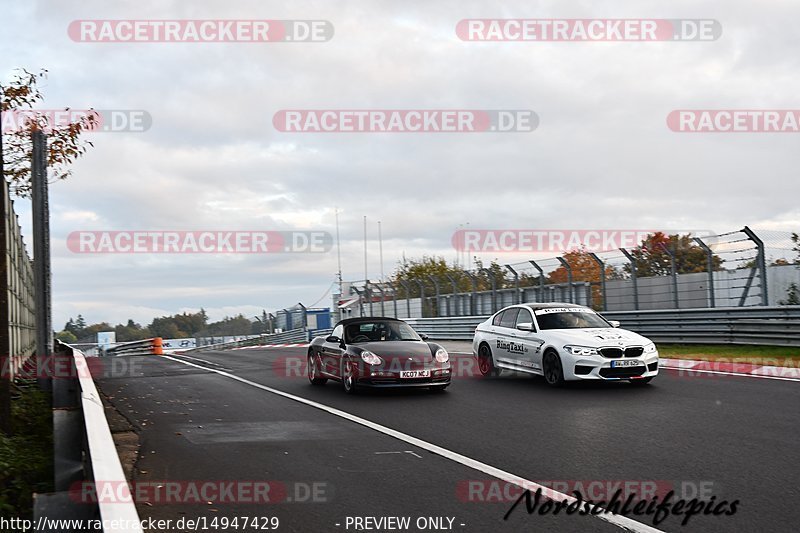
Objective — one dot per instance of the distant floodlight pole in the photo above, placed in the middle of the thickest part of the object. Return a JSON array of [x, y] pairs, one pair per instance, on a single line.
[[366, 277], [380, 248], [338, 253]]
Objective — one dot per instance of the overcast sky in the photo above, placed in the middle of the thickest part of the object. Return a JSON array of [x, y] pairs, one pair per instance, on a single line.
[[602, 156]]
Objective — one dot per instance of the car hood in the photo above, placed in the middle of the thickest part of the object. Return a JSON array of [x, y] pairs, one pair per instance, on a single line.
[[419, 350], [597, 337]]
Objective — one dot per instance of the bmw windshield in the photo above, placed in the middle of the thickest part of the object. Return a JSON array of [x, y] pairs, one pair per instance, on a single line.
[[570, 319]]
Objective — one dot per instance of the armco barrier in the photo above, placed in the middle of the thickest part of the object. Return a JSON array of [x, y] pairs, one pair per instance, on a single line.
[[772, 326], [84, 452], [144, 347], [286, 337]]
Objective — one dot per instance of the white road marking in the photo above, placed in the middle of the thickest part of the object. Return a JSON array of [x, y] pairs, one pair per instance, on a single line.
[[618, 520]]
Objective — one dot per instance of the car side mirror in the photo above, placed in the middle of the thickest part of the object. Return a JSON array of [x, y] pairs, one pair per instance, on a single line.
[[614, 323], [333, 339], [423, 336], [526, 326]]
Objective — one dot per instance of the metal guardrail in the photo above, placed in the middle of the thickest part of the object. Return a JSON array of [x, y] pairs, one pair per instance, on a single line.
[[772, 326], [84, 452], [286, 337], [144, 347]]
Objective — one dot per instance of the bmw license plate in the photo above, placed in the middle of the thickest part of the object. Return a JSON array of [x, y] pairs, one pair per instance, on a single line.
[[415, 374], [617, 364]]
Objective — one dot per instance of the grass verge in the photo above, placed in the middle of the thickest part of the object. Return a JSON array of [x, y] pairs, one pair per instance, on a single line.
[[735, 353]]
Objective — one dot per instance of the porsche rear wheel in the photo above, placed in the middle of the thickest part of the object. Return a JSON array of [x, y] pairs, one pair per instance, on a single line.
[[313, 370]]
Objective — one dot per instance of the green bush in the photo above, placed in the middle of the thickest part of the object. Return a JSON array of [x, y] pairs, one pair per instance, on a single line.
[[26, 457]]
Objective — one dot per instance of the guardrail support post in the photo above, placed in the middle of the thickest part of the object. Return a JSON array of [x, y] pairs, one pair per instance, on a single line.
[[540, 299], [633, 278], [761, 262], [710, 268], [568, 268], [602, 267]]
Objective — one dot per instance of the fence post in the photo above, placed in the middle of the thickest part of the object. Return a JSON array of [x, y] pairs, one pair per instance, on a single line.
[[602, 267], [541, 280], [41, 251], [380, 290], [390, 284], [408, 298], [633, 278], [517, 295], [493, 282], [568, 268], [761, 262], [368, 294], [436, 288], [421, 297], [474, 296], [674, 273], [710, 267], [454, 297]]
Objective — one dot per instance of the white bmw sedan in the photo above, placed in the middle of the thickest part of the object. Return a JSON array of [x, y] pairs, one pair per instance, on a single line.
[[562, 342]]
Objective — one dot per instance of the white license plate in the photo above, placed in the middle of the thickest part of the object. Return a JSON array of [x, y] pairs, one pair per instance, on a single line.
[[617, 364], [415, 374]]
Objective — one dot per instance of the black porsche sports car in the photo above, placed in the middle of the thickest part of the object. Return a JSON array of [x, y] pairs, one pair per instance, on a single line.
[[377, 352]]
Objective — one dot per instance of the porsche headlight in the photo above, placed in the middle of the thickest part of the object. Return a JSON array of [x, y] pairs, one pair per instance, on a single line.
[[442, 356], [649, 348], [370, 358], [580, 350]]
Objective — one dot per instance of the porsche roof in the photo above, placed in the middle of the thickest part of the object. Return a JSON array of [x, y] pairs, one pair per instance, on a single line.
[[357, 319]]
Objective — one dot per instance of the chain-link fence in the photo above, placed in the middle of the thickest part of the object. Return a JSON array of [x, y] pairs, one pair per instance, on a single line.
[[735, 269]]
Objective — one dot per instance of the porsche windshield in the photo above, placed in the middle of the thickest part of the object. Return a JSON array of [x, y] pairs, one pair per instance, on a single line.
[[570, 320], [380, 331]]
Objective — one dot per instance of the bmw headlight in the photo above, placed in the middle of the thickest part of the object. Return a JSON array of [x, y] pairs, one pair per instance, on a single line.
[[650, 348], [370, 358], [580, 350], [442, 356]]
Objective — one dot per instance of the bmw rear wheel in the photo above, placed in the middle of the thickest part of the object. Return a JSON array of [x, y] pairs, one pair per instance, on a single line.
[[486, 362]]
